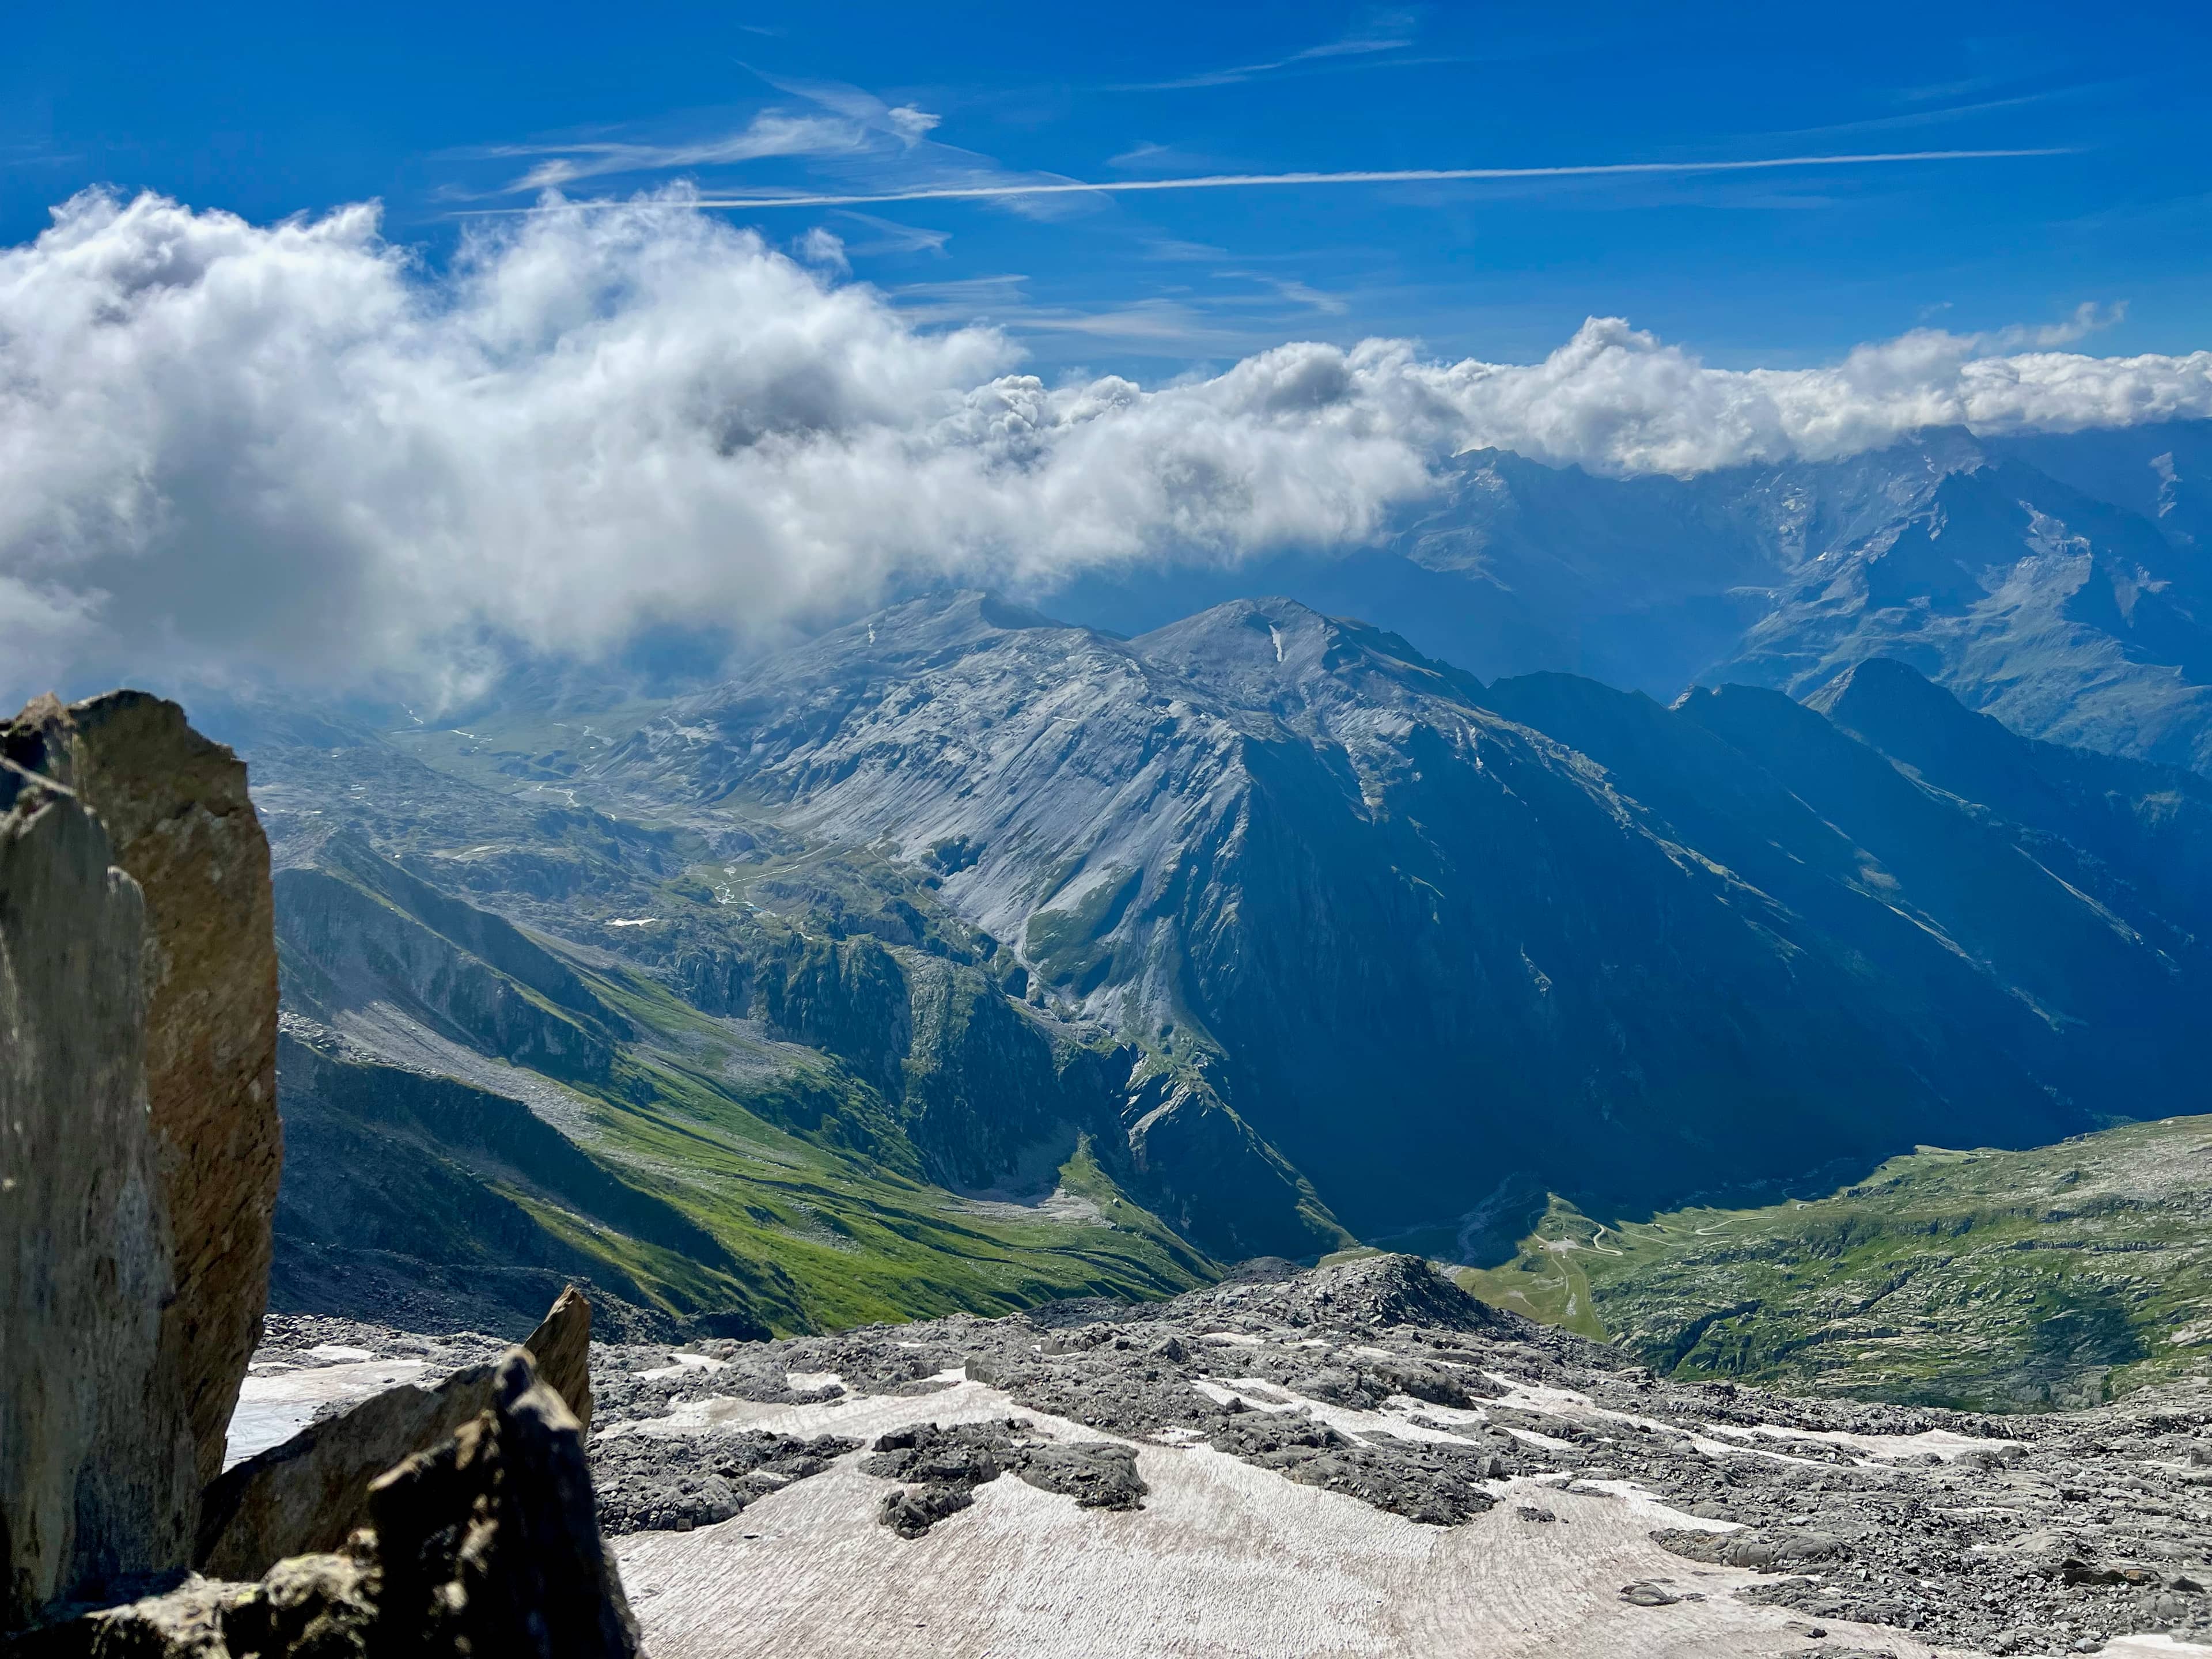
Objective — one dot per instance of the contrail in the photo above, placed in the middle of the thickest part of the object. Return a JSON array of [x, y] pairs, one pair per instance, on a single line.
[[1397, 176]]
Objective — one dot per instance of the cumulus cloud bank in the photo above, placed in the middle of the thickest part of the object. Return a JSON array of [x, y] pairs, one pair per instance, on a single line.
[[290, 450]]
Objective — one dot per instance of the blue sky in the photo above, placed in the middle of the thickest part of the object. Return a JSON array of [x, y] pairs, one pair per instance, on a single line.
[[441, 113], [949, 327]]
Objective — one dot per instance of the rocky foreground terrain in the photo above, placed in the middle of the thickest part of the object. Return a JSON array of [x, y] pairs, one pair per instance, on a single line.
[[1358, 1459]]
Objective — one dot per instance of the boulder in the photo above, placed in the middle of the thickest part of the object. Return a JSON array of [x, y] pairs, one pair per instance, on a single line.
[[180, 824], [307, 1495], [97, 1470], [485, 1544]]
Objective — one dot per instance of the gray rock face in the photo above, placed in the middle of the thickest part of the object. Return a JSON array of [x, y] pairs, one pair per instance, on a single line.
[[138, 1162], [97, 1475], [176, 810], [308, 1494], [561, 1346], [316, 1605], [650, 1485]]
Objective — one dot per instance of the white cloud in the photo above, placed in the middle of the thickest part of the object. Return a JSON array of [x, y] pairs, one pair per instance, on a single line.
[[911, 124], [288, 451], [1617, 400], [826, 248]]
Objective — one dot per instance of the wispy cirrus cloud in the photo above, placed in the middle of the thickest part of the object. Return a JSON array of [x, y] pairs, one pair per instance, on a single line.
[[1287, 289], [846, 122], [906, 123], [1171, 250], [772, 132], [1149, 157], [35, 154], [1375, 32], [841, 132], [1939, 114], [888, 236]]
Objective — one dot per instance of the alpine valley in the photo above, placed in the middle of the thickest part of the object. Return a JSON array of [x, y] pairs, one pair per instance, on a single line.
[[959, 958]]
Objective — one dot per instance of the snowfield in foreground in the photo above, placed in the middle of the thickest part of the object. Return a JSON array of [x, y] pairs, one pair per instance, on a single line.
[[1224, 1558], [1357, 1459]]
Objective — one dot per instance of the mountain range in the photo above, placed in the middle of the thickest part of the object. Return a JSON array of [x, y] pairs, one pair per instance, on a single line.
[[959, 957], [1424, 933], [2062, 582]]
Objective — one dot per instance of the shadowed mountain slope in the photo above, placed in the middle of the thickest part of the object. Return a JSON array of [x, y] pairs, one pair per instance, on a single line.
[[1427, 935]]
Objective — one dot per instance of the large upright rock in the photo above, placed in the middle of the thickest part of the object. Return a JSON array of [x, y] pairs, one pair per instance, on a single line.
[[176, 810], [97, 1471]]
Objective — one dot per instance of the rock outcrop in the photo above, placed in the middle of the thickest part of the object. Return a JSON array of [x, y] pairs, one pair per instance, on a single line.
[[97, 1475], [175, 808], [307, 1495], [943, 1466], [488, 1542], [562, 1345], [484, 1544]]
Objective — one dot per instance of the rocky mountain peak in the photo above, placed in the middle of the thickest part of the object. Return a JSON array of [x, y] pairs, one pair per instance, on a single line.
[[1275, 656], [1883, 695]]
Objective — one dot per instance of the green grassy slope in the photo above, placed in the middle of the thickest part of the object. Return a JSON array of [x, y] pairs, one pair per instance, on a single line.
[[799, 1167], [1989, 1280], [802, 1205]]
